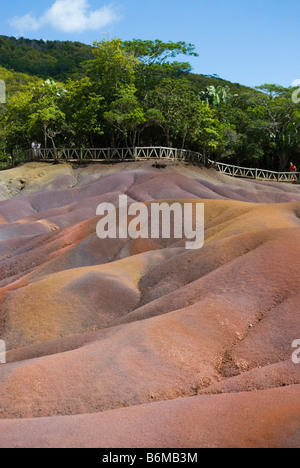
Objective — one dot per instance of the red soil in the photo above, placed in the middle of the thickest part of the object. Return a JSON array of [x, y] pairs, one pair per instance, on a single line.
[[124, 343]]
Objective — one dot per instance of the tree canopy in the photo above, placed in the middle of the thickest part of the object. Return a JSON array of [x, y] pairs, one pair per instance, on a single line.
[[128, 93], [46, 59]]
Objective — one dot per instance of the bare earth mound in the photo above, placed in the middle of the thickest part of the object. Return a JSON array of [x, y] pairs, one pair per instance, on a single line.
[[142, 343]]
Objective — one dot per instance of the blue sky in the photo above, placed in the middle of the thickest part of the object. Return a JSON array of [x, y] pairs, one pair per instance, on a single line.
[[250, 42]]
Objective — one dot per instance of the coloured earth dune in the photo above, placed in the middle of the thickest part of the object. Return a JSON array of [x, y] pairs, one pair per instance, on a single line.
[[141, 342]]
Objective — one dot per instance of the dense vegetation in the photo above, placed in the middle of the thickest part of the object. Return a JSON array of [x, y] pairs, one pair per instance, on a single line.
[[136, 93], [46, 59]]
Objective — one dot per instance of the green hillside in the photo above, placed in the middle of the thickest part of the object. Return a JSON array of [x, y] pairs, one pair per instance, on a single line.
[[53, 59], [17, 81], [201, 82], [61, 60]]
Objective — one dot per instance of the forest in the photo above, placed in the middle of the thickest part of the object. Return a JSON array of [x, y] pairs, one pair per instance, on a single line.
[[138, 93], [56, 59]]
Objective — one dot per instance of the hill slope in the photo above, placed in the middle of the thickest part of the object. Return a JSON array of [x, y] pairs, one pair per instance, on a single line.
[[131, 336], [62, 59], [15, 81], [50, 59]]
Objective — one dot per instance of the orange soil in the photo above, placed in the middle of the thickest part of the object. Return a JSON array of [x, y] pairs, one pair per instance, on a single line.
[[141, 343]]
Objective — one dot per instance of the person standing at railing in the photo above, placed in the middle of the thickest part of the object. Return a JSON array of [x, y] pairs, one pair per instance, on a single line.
[[293, 169], [36, 149]]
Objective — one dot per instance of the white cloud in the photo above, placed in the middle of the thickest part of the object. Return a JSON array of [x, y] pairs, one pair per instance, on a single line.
[[25, 23], [68, 16]]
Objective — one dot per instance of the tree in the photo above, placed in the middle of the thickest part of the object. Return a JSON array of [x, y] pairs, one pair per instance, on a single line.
[[184, 117], [14, 121], [83, 108], [157, 52], [125, 115], [210, 133], [112, 68], [278, 119], [155, 61], [47, 112]]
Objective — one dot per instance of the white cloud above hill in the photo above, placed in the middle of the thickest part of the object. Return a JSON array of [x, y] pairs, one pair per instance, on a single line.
[[67, 16]]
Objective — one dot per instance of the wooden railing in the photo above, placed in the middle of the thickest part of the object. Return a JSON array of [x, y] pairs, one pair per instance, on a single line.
[[110, 154], [254, 173], [144, 153]]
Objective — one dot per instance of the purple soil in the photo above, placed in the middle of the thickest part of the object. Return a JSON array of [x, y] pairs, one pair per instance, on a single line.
[[142, 343]]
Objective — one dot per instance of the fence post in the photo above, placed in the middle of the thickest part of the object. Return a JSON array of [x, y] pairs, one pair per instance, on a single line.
[[135, 153], [256, 174]]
